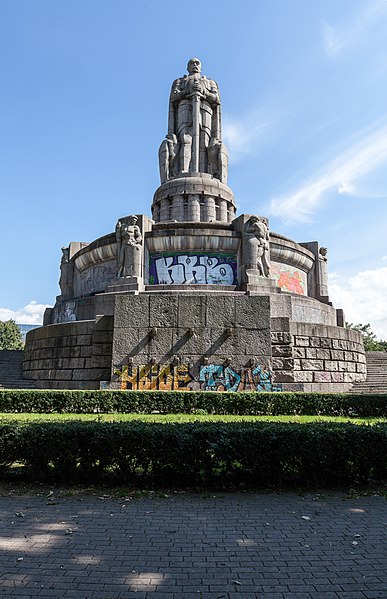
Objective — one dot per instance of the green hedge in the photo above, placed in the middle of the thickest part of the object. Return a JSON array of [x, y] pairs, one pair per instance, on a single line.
[[145, 402], [253, 454]]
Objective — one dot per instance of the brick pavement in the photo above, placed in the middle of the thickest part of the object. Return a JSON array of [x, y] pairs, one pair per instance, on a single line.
[[232, 546]]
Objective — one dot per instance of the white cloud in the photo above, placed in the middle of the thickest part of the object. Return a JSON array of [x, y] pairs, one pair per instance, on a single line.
[[340, 175], [363, 298], [243, 135], [338, 40], [32, 313]]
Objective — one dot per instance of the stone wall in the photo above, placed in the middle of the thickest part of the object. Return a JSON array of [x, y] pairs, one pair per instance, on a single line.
[[313, 357], [72, 355], [181, 341]]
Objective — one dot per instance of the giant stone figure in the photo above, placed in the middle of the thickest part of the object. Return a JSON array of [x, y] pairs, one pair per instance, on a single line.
[[193, 143]]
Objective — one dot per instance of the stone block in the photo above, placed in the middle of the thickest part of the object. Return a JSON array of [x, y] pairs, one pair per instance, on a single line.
[[162, 344], [311, 352], [283, 351], [98, 362], [85, 351], [200, 342], [91, 374], [331, 365], [128, 342], [347, 367], [191, 311], [325, 343], [361, 367], [312, 364], [349, 377], [279, 324], [163, 310], [283, 376], [337, 377], [252, 312], [323, 354], [102, 349], [220, 311], [252, 342], [301, 341], [282, 363], [281, 338], [337, 354], [315, 342], [322, 377], [298, 352], [301, 376], [131, 310]]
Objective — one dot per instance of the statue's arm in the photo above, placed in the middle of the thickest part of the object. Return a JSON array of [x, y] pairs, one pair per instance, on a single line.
[[212, 92], [177, 91]]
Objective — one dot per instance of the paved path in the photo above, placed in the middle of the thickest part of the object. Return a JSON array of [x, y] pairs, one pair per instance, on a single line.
[[264, 546]]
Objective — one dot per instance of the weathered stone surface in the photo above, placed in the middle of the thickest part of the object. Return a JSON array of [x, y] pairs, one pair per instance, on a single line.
[[163, 311], [192, 310]]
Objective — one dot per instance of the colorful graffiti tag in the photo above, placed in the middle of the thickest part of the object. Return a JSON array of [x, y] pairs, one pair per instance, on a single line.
[[289, 278], [163, 377], [225, 378], [212, 377], [192, 269]]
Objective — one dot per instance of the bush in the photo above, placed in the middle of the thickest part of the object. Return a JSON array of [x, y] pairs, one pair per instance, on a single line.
[[173, 402], [226, 454]]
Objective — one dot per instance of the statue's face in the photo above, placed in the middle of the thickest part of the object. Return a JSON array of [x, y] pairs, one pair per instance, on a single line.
[[132, 220], [194, 66]]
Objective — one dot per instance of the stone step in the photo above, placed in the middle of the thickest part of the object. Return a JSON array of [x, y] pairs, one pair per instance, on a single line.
[[376, 381], [11, 371]]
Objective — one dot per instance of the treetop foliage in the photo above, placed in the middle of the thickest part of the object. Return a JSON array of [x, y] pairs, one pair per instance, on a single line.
[[10, 335]]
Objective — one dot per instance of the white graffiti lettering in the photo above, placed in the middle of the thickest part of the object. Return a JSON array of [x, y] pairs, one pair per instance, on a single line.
[[193, 270]]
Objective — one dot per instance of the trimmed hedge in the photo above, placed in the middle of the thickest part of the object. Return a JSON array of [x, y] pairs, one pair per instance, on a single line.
[[173, 402], [226, 454]]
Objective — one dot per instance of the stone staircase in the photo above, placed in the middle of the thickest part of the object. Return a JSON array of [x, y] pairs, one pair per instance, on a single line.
[[11, 371], [376, 381]]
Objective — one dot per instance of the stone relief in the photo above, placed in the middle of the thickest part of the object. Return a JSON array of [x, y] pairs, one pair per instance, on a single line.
[[257, 247], [194, 140], [196, 269], [129, 248], [95, 278], [65, 312]]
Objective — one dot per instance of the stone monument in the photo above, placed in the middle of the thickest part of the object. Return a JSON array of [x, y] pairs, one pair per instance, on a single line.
[[196, 297]]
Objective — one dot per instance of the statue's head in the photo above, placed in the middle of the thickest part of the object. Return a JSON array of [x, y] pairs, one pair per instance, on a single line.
[[132, 219], [194, 66]]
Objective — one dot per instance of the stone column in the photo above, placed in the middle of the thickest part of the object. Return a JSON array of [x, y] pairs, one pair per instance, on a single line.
[[178, 208], [193, 211], [231, 213], [209, 210], [223, 211], [164, 210]]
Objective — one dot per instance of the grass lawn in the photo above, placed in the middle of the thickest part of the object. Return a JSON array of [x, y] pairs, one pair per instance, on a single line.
[[119, 417]]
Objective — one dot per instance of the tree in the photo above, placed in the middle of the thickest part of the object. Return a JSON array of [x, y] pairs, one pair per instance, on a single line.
[[10, 335], [371, 343]]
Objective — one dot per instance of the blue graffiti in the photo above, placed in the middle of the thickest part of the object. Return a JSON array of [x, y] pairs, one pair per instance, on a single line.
[[224, 378]]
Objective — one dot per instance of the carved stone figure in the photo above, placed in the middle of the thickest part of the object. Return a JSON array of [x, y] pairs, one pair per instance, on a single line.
[[168, 153], [129, 248], [218, 160], [194, 121], [323, 271], [66, 279], [257, 247]]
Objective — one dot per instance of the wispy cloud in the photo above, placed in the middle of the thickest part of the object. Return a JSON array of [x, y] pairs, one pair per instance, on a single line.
[[363, 298], [32, 313], [339, 174], [243, 135], [340, 39]]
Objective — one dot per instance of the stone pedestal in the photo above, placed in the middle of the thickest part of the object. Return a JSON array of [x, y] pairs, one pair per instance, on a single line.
[[125, 284], [257, 285]]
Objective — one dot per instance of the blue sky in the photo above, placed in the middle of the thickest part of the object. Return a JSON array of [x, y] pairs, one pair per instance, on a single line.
[[83, 110]]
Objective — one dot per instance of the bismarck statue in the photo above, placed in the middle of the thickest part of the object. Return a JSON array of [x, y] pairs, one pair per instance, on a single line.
[[193, 147], [194, 140]]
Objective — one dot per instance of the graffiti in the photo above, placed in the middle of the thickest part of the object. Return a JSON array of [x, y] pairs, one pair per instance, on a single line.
[[212, 377], [65, 312], [289, 279], [94, 278], [162, 377], [225, 378], [193, 269]]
